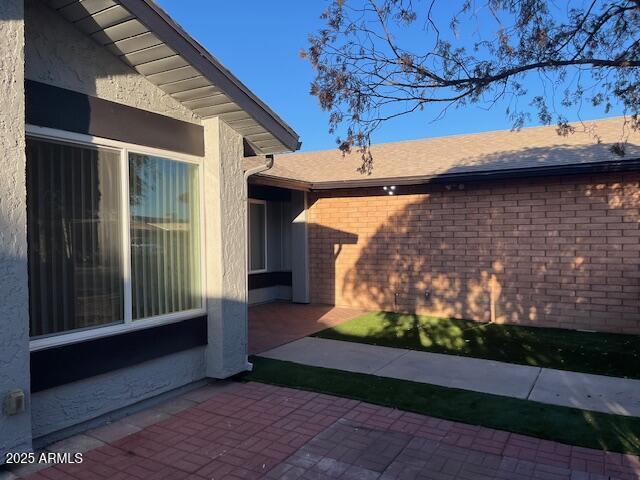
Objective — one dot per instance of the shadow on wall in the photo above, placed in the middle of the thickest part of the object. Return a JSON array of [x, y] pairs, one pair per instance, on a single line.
[[559, 251], [325, 258]]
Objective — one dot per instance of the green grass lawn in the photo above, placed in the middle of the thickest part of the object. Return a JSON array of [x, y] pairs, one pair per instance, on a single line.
[[567, 425], [601, 353]]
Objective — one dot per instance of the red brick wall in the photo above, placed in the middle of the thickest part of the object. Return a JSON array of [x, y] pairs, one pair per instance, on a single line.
[[560, 251]]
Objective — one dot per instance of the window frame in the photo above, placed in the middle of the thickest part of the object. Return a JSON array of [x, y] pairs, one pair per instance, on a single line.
[[128, 324], [266, 250]]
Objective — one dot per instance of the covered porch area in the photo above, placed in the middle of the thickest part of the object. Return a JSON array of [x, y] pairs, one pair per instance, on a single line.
[[278, 278], [274, 324]]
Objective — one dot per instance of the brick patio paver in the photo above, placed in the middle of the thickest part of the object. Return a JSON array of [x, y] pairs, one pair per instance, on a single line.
[[254, 431]]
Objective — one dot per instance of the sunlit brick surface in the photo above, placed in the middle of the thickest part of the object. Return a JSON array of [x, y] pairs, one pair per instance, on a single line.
[[558, 251]]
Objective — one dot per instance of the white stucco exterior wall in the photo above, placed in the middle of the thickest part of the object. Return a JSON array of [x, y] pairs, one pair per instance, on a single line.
[[62, 407], [59, 54], [15, 431], [225, 239]]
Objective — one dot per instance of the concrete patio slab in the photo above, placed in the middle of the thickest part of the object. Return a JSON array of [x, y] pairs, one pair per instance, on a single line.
[[589, 392], [76, 444], [206, 392], [114, 431], [147, 417], [320, 352], [176, 405], [461, 372]]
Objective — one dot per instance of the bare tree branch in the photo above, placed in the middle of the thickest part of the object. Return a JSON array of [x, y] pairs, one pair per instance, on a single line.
[[367, 73]]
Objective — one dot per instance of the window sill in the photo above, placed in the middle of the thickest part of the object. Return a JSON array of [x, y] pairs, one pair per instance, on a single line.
[[100, 332]]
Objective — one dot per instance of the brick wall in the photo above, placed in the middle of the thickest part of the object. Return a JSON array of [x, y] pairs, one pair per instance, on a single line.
[[560, 251]]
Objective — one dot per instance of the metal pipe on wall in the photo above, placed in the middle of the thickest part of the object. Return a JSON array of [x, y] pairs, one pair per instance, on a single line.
[[252, 171]]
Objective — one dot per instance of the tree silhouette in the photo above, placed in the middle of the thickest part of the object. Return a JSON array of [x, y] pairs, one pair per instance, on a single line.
[[370, 68]]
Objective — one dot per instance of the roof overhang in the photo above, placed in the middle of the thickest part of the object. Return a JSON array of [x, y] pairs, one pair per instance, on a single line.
[[146, 38], [631, 164]]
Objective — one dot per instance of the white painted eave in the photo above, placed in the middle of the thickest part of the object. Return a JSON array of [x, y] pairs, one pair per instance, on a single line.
[[144, 37]]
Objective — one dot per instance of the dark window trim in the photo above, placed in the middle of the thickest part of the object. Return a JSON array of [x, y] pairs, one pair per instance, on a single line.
[[62, 109], [262, 192], [269, 279], [77, 361]]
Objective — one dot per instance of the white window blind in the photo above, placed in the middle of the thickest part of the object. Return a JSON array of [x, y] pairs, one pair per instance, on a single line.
[[96, 261], [165, 236], [74, 231]]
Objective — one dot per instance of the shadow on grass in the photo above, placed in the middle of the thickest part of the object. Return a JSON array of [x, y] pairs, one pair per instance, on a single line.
[[599, 353]]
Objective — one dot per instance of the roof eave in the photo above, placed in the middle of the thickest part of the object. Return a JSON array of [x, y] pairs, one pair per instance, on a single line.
[[273, 181], [167, 30], [555, 170]]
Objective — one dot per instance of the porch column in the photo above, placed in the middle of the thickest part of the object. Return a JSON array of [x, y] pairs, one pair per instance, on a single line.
[[225, 218], [15, 424], [299, 248]]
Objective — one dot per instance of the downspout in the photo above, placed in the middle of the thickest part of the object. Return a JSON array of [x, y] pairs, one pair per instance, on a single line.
[[268, 163]]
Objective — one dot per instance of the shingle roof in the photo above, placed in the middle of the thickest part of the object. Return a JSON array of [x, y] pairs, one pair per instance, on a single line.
[[498, 151]]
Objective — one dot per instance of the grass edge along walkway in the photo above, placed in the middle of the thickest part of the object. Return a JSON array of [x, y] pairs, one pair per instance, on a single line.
[[615, 433], [599, 353]]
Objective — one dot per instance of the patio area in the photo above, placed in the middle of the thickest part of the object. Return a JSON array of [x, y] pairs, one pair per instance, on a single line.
[[274, 324], [234, 430]]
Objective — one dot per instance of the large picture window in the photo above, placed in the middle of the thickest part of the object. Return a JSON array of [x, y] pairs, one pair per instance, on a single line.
[[113, 239]]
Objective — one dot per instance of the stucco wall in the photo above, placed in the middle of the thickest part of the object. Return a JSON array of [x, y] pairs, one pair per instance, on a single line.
[[77, 402], [225, 207], [59, 54], [15, 431], [557, 251]]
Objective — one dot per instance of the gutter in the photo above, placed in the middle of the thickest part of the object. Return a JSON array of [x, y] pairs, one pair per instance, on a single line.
[[268, 163], [608, 166]]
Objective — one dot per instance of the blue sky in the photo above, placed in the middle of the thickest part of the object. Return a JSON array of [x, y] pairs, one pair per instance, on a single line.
[[260, 41]]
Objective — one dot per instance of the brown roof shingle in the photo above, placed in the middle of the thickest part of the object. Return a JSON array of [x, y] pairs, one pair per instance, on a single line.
[[459, 154]]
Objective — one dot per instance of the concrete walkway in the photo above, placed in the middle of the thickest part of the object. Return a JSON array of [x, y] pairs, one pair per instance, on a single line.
[[589, 392]]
